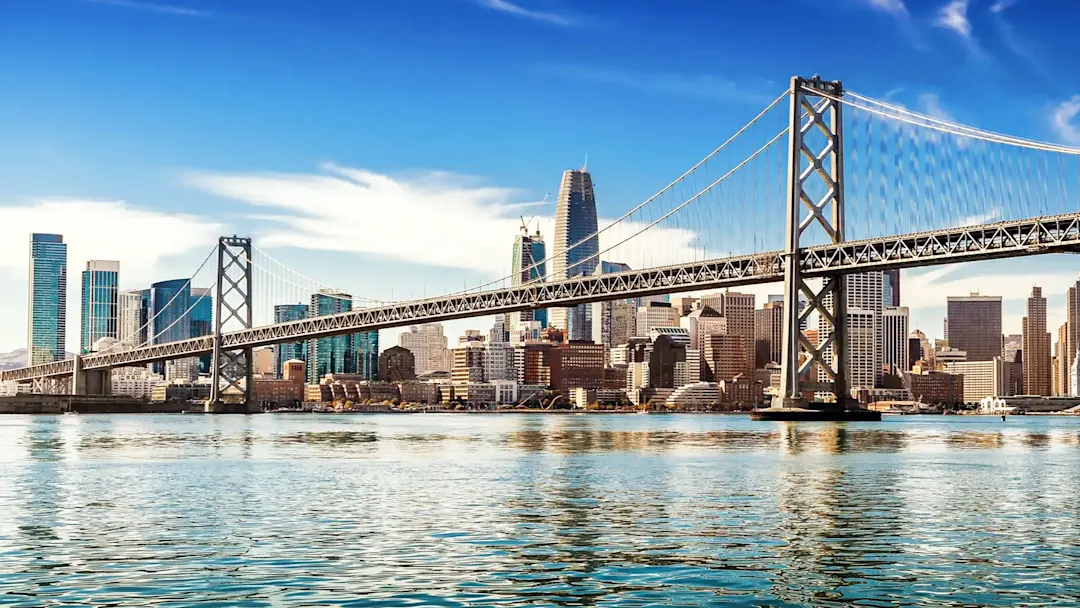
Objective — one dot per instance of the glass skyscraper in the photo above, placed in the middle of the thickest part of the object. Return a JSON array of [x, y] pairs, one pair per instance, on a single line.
[[202, 320], [529, 250], [283, 313], [100, 304], [47, 335], [575, 222], [169, 300], [349, 354]]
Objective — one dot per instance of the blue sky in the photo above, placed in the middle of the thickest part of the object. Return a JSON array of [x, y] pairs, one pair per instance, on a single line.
[[150, 127]]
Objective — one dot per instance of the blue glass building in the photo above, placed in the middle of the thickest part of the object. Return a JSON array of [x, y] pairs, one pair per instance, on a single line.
[[349, 354], [202, 320], [528, 265], [100, 305], [283, 313], [169, 300], [47, 335]]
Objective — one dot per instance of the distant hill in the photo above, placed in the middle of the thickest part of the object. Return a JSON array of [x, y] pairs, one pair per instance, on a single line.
[[17, 358]]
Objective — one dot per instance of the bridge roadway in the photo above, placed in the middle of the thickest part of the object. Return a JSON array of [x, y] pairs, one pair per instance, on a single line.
[[1053, 234]]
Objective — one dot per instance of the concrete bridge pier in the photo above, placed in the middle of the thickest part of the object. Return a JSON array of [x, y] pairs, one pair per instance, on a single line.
[[90, 382], [223, 407]]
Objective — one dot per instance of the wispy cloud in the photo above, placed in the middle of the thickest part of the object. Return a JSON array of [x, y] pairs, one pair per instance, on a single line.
[[1001, 5], [930, 104], [896, 8], [508, 7], [953, 16], [1064, 121], [325, 211], [708, 86], [153, 7], [1021, 46]]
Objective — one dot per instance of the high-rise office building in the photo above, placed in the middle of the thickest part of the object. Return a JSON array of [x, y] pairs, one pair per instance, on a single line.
[[654, 314], [895, 354], [738, 309], [864, 336], [47, 309], [100, 309], [974, 326], [890, 287], [283, 313], [202, 320], [527, 266], [575, 226], [169, 300], [614, 323], [1072, 341], [131, 325], [1061, 362], [701, 323], [769, 333], [428, 345], [1036, 346], [349, 354]]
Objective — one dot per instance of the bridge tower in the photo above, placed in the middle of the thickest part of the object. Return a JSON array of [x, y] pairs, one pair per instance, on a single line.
[[230, 370], [815, 203]]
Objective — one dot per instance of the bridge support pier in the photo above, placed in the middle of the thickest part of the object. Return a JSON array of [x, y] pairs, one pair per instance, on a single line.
[[815, 198], [231, 389], [90, 382]]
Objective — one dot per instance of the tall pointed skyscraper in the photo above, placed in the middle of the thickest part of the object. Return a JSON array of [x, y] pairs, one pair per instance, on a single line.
[[575, 222]]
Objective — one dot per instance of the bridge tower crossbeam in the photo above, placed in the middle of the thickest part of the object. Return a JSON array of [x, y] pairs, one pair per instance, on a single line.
[[815, 200]]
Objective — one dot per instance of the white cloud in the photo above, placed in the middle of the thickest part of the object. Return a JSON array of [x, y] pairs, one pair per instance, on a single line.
[[896, 8], [153, 7], [1001, 5], [514, 9], [930, 104], [953, 16], [1063, 120], [430, 219], [708, 86]]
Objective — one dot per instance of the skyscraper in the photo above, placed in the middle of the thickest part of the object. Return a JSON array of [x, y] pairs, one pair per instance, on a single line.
[[575, 226], [529, 251], [428, 344], [283, 313], [974, 326], [864, 339], [768, 333], [349, 354], [100, 310], [169, 300], [613, 322], [895, 339], [47, 311], [890, 287], [132, 318], [1072, 320], [1036, 346], [202, 320]]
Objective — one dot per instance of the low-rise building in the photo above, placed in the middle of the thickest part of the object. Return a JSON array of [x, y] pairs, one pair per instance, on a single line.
[[175, 392], [742, 392], [420, 392], [699, 395], [937, 388]]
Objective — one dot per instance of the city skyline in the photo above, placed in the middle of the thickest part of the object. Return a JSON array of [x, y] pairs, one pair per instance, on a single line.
[[224, 172]]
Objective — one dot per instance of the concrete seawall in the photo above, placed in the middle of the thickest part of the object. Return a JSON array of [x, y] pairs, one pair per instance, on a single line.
[[87, 404]]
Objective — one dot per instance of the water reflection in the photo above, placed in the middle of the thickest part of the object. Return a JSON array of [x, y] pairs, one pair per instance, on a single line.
[[526, 510]]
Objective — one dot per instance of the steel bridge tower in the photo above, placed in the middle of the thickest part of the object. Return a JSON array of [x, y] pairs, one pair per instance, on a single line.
[[815, 200], [231, 389]]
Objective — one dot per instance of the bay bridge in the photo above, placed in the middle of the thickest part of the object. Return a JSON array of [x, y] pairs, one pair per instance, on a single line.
[[822, 183]]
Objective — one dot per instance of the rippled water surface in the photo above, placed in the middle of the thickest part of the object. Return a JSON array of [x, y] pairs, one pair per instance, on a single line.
[[469, 510]]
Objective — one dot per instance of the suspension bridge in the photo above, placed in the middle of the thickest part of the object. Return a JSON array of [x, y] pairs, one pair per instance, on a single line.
[[821, 184]]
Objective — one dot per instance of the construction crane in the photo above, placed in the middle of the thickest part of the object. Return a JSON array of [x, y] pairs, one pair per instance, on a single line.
[[525, 224]]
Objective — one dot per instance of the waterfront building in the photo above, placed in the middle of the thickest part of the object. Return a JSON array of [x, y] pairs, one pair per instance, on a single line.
[[100, 313], [1036, 346], [697, 395], [769, 333], [499, 362], [864, 336], [397, 364], [654, 314], [936, 388], [428, 345], [284, 313], [576, 364], [336, 354], [527, 266], [895, 339], [47, 306], [131, 324], [575, 226], [741, 392], [1074, 378], [974, 325], [982, 379], [136, 382], [169, 300], [468, 362]]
